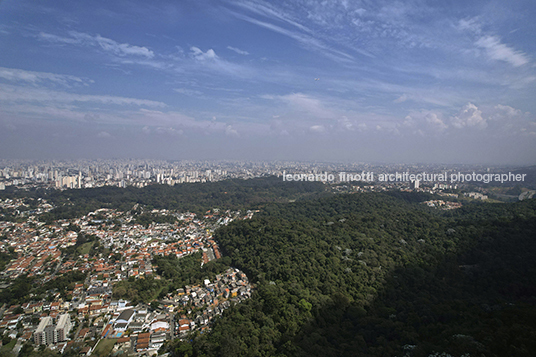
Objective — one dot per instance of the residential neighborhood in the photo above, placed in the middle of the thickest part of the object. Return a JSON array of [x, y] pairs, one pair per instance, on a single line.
[[106, 247]]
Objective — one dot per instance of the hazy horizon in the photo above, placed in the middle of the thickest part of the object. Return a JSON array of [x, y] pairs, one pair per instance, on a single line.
[[339, 81]]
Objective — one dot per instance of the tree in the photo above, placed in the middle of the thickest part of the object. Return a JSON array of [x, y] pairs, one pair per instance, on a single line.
[[155, 305]]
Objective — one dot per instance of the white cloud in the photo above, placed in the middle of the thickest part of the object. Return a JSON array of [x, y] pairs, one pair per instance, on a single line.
[[106, 44], [470, 24], [210, 61], [54, 111], [91, 117], [203, 56], [362, 126], [153, 119], [317, 128], [493, 122], [268, 11], [238, 50], [229, 131], [190, 92], [401, 99], [103, 134], [11, 93], [109, 45], [307, 41], [408, 121], [144, 62], [506, 120], [436, 121], [57, 39], [367, 23], [19, 75], [501, 52], [437, 96], [278, 127], [469, 116], [306, 103], [346, 124], [491, 44], [424, 121], [505, 111], [168, 131]]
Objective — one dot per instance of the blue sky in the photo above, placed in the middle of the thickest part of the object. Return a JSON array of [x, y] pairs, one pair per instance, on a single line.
[[388, 81]]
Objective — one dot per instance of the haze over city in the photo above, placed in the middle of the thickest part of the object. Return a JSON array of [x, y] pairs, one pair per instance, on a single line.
[[251, 80]]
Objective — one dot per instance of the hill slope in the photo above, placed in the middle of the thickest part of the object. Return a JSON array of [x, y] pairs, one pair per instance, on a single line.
[[378, 274]]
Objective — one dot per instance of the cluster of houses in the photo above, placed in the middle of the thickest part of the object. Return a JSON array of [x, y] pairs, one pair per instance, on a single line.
[[133, 328], [146, 331], [39, 245], [200, 304], [445, 205], [476, 195], [129, 249]]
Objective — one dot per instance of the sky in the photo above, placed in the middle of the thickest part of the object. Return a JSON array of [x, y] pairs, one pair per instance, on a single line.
[[343, 81]]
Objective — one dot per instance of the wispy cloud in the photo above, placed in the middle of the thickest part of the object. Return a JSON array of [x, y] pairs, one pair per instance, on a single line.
[[317, 128], [210, 61], [175, 121], [470, 24], [9, 93], [19, 75], [190, 92], [238, 50], [351, 25], [268, 11], [103, 134], [106, 44], [307, 41], [312, 106], [492, 44], [501, 52], [57, 39], [3, 30]]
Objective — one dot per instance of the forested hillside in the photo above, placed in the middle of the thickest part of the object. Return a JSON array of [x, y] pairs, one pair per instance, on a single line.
[[380, 275], [194, 197]]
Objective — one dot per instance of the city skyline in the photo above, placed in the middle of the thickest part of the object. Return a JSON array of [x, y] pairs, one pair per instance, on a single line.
[[334, 81]]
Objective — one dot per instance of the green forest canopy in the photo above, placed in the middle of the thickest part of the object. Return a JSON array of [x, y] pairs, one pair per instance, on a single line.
[[193, 197], [380, 275]]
